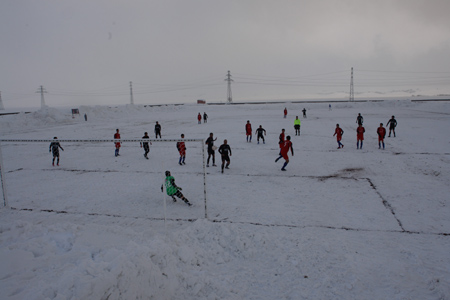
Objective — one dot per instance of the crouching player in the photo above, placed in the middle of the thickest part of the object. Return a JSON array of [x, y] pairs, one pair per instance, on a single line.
[[173, 190]]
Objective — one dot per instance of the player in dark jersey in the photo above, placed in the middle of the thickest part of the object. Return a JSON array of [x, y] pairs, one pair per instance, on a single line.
[[260, 132], [54, 148], [211, 148], [284, 152], [225, 152], [359, 119], [392, 124], [145, 145], [157, 130], [281, 142]]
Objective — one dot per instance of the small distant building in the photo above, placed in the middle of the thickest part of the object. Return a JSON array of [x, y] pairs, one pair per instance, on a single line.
[[201, 101], [75, 111]]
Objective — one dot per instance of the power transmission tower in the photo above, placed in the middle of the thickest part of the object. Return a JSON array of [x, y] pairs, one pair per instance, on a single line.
[[131, 93], [229, 80], [352, 95], [42, 91], [1, 102]]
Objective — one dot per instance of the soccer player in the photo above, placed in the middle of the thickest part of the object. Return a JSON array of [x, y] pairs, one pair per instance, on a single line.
[[285, 112], [172, 189], [381, 131], [392, 124], [338, 132], [248, 131], [360, 136], [157, 129], [199, 118], [145, 144], [297, 124], [181, 146], [304, 112], [281, 142], [225, 152], [205, 118], [359, 119], [211, 148], [117, 144], [284, 152], [54, 148], [260, 134]]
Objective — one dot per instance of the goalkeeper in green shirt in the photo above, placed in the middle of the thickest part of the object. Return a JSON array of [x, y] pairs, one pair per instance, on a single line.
[[172, 189]]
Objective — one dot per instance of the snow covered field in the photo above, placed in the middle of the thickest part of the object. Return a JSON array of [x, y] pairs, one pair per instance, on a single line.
[[338, 224]]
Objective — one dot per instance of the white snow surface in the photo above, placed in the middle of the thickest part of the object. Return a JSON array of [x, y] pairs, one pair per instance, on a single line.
[[338, 224]]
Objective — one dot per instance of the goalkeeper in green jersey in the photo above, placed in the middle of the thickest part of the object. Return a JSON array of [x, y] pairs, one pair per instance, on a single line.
[[172, 189]]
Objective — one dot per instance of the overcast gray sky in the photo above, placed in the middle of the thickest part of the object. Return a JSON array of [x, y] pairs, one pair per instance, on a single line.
[[86, 52]]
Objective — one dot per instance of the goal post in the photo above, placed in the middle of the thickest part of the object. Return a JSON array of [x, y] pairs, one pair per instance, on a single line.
[[3, 141], [2, 180]]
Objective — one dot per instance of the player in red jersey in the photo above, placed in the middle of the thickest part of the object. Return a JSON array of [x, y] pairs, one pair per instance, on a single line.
[[117, 144], [381, 131], [181, 146], [360, 136], [284, 152], [338, 132], [248, 131], [285, 112]]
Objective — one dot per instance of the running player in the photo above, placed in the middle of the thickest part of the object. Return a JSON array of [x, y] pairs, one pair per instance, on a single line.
[[284, 152], [225, 152]]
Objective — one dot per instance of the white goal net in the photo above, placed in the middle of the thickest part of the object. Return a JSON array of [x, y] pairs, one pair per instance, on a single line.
[[90, 179]]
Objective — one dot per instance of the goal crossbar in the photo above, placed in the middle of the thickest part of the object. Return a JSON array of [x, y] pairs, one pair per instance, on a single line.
[[2, 172]]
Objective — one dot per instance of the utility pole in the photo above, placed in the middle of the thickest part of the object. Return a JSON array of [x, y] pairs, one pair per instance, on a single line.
[[229, 80], [42, 91], [131, 93], [1, 103], [352, 95]]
